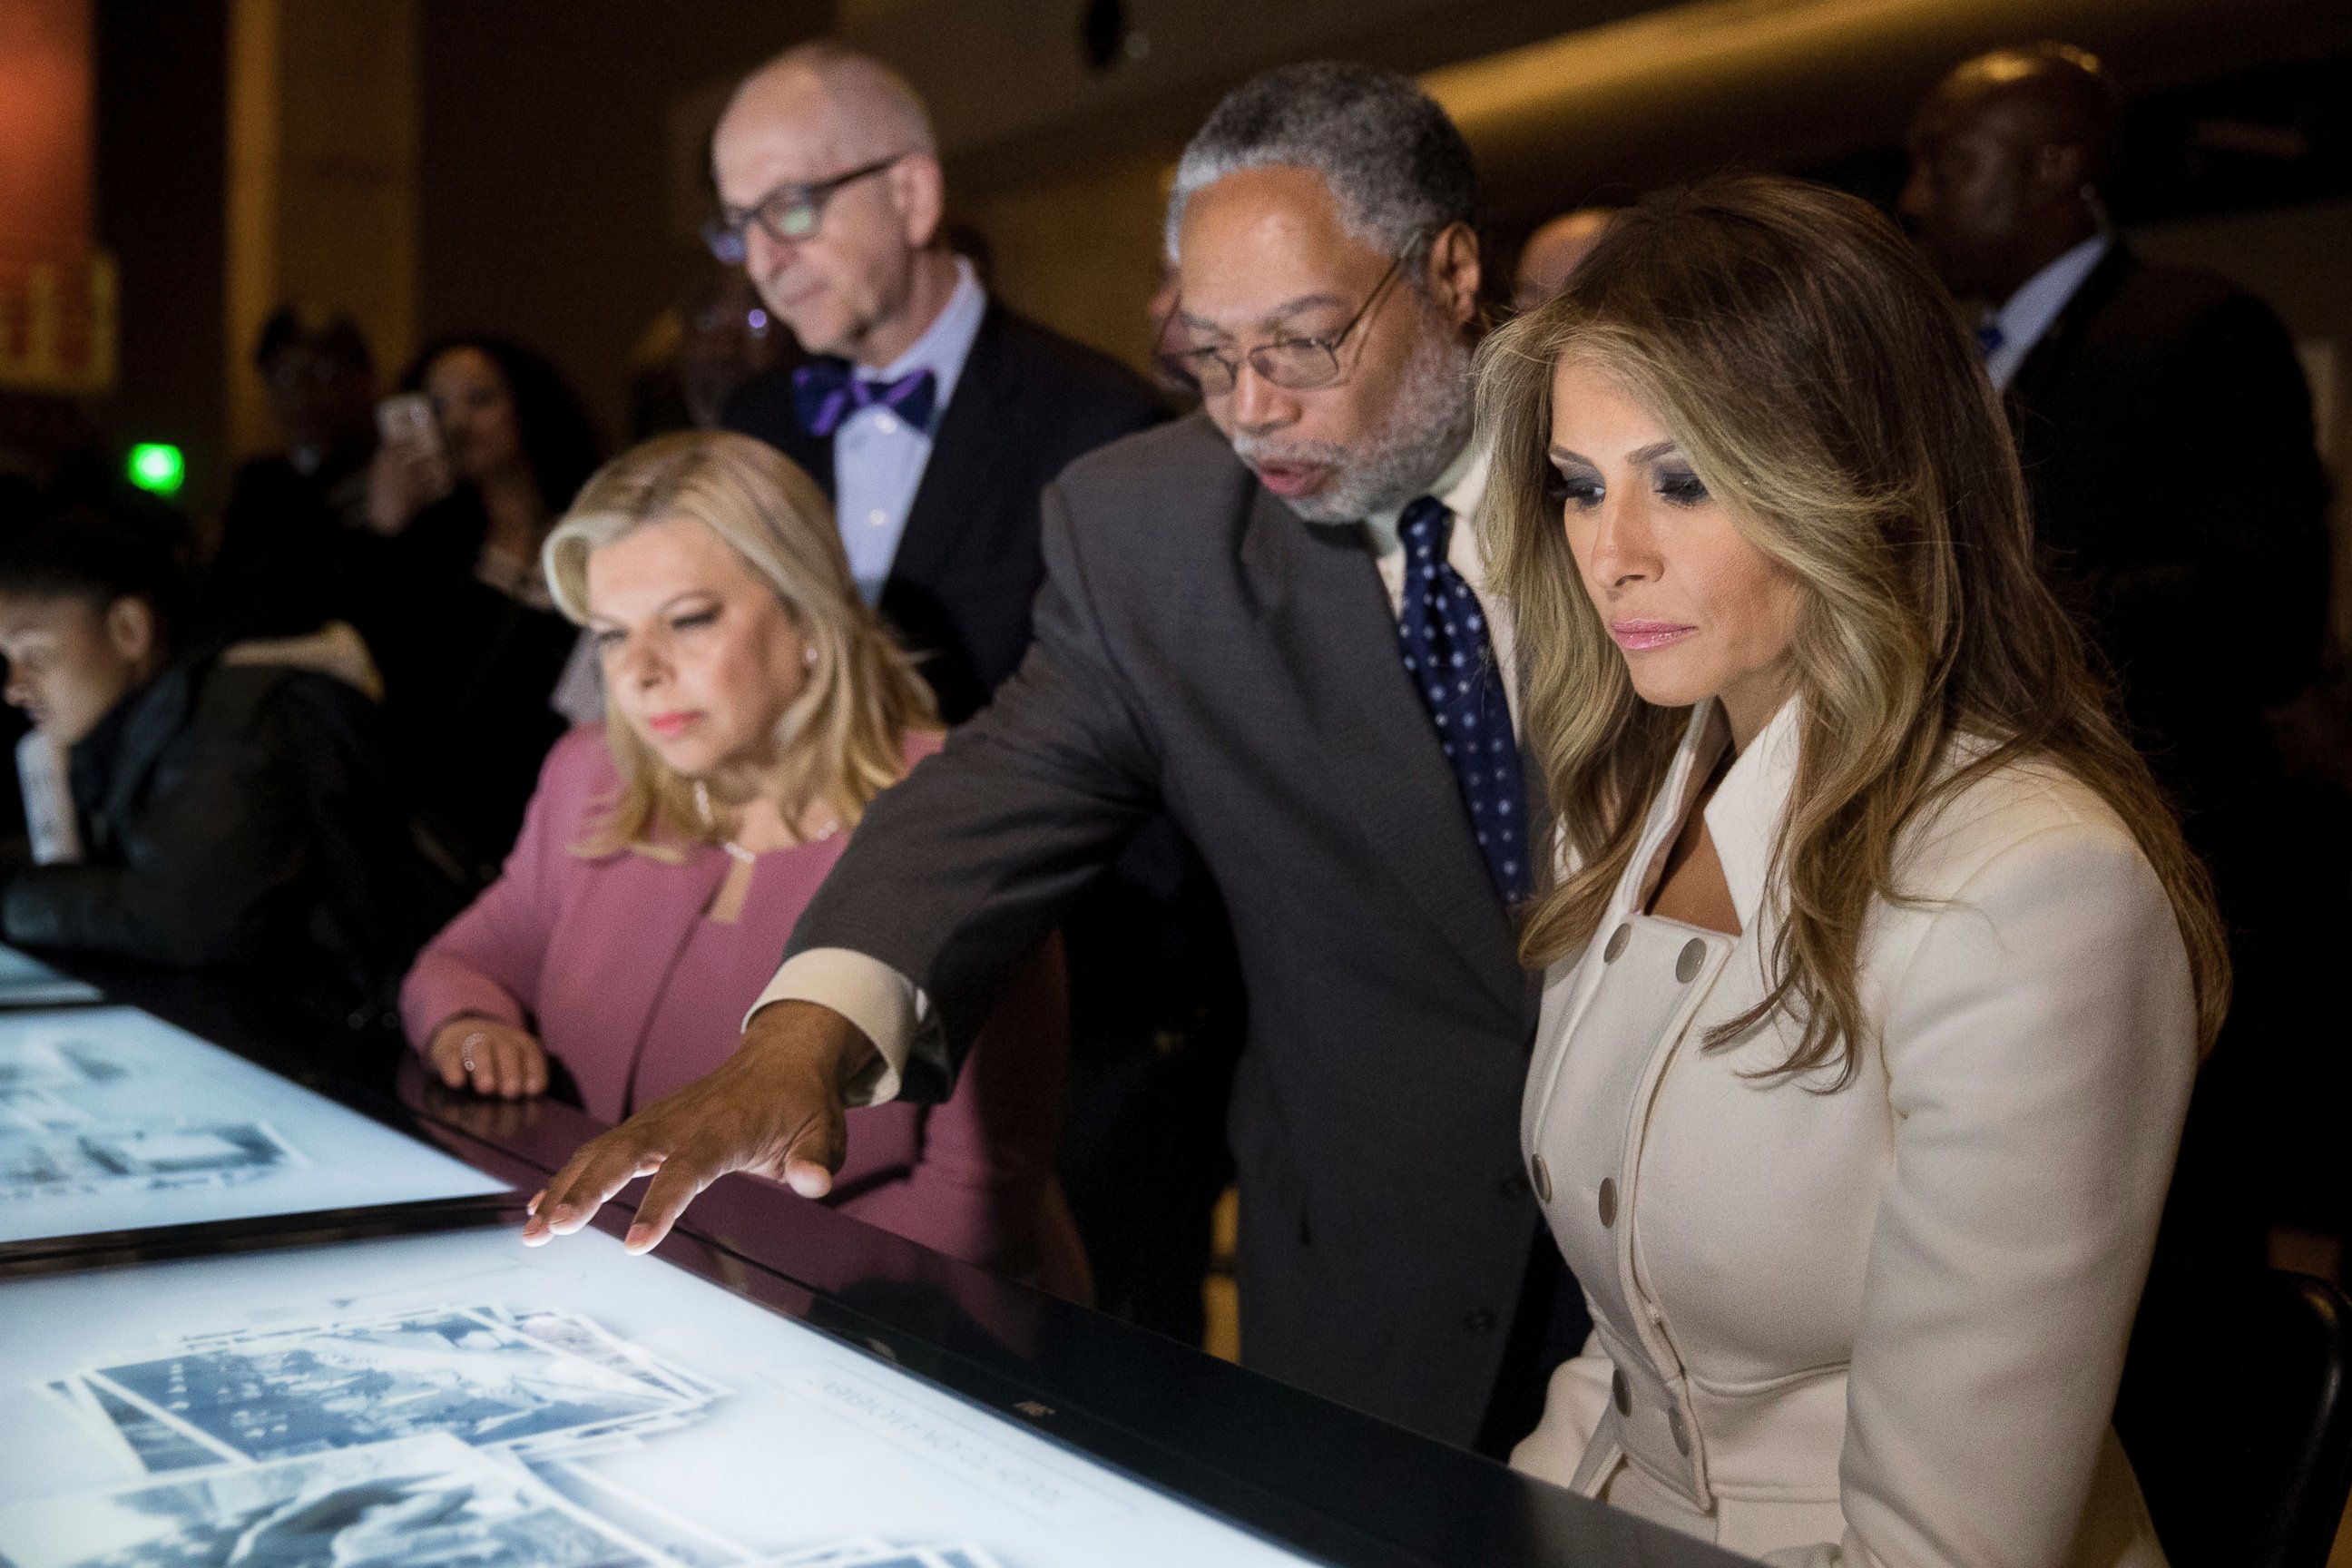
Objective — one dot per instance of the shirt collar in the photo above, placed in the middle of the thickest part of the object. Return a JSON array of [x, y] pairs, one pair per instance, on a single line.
[[946, 343], [1745, 815], [2027, 314], [1459, 487]]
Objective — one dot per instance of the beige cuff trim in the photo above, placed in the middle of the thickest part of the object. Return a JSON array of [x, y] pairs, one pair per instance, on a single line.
[[886, 1005]]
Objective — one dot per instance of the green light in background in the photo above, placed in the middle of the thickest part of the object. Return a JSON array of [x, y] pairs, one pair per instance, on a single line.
[[157, 466]]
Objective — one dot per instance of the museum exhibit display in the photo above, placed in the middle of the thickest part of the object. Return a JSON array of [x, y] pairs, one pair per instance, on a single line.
[[251, 1320], [111, 1120]]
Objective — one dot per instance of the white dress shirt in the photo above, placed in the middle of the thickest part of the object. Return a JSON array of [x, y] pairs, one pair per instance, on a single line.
[[878, 458], [2027, 314], [891, 1008]]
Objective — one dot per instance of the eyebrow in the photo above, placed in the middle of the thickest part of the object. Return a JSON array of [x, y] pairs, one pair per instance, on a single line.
[[665, 605], [1288, 307], [1649, 454]]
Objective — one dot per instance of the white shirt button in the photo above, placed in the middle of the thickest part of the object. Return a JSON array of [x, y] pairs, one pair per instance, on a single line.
[[887, 422], [877, 518]]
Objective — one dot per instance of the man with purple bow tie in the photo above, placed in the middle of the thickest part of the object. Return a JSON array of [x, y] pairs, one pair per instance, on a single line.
[[932, 415], [935, 417]]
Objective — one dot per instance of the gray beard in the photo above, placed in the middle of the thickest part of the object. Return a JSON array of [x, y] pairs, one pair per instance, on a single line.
[[1426, 425]]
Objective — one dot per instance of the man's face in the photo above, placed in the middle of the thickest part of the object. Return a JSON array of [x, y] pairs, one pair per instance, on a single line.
[[832, 288], [1966, 202], [324, 401], [1265, 256], [1553, 255], [70, 660]]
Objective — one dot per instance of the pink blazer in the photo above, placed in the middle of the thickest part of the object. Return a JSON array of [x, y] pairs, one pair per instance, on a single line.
[[625, 980]]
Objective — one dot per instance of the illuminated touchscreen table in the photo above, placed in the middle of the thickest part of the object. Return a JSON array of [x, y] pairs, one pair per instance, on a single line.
[[111, 1120], [27, 982], [457, 1398]]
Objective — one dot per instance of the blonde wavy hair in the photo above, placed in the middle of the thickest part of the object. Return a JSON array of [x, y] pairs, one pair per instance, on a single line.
[[841, 741], [1797, 348]]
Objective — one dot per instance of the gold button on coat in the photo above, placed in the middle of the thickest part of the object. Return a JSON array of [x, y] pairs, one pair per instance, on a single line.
[[1617, 940], [1687, 962], [1608, 1202]]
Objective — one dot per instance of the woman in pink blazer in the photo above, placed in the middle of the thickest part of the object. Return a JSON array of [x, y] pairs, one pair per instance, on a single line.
[[754, 705]]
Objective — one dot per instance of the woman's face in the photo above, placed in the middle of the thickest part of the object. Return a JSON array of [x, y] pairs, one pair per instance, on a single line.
[[700, 656], [476, 412], [1697, 610]]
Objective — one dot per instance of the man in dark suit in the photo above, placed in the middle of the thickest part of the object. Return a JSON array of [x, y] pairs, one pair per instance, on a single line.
[[935, 419], [2208, 597], [1239, 612], [2166, 435], [933, 416]]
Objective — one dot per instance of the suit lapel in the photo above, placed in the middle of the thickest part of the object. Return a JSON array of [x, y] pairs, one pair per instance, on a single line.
[[1330, 616], [812, 453], [2046, 360], [964, 457]]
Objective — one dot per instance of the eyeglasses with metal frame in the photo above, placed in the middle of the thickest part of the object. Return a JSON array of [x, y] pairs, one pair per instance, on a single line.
[[1295, 364], [788, 212]]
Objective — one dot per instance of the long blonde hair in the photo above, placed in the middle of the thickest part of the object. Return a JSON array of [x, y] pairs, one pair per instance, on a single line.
[[1798, 349], [842, 739]]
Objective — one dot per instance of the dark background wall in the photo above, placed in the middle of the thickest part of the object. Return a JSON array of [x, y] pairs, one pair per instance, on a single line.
[[547, 172], [162, 185]]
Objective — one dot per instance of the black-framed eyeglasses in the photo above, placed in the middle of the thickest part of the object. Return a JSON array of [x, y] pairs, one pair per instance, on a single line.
[[1296, 364], [788, 212]]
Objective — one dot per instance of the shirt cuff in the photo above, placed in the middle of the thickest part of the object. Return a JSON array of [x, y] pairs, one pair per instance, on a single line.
[[888, 1008]]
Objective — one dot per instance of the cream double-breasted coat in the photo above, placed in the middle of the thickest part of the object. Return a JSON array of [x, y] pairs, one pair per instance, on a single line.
[[1882, 1324]]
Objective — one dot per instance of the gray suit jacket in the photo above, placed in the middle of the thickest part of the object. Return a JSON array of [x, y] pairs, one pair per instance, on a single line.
[[1201, 649]]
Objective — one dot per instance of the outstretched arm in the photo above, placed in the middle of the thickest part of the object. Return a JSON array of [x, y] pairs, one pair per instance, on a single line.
[[954, 875]]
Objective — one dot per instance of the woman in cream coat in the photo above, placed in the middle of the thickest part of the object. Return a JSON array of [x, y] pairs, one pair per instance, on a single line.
[[1878, 973]]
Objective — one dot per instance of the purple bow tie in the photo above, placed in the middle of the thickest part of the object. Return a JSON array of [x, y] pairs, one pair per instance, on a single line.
[[825, 392]]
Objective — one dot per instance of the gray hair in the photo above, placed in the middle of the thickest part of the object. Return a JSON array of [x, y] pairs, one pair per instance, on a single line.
[[1393, 161]]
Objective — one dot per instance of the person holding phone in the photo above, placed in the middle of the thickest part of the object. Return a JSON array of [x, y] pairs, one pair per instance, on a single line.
[[481, 453]]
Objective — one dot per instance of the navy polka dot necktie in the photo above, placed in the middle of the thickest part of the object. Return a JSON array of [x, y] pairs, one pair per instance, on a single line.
[[1444, 635]]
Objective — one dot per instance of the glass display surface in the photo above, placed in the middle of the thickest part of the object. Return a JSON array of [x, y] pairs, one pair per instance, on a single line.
[[456, 1399], [113, 1120], [27, 982]]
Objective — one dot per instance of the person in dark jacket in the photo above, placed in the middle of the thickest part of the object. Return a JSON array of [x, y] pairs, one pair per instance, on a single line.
[[296, 517], [233, 815], [2206, 601], [933, 415], [451, 600]]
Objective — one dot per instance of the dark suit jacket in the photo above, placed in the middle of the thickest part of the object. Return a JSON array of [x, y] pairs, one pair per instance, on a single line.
[[2167, 440], [1201, 649], [1028, 401]]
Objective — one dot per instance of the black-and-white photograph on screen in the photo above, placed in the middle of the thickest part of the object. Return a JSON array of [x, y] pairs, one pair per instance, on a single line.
[[143, 1442], [597, 1376], [111, 1120], [463, 1370], [421, 1502], [153, 1158], [57, 1058]]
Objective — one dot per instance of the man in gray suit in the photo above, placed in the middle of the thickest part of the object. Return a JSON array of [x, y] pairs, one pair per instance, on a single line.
[[1266, 620]]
